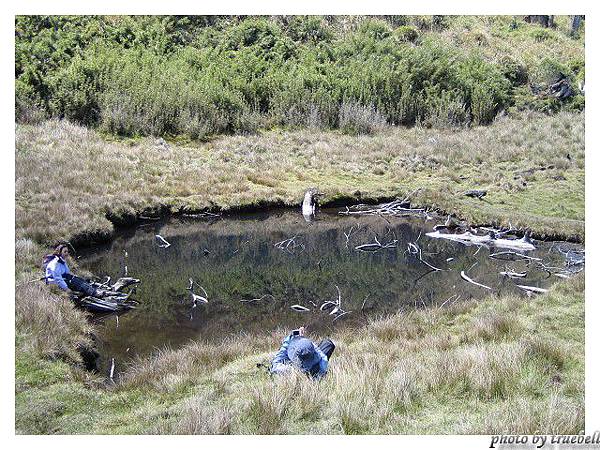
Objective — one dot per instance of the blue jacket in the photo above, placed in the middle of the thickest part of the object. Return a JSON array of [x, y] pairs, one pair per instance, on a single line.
[[55, 270], [281, 363]]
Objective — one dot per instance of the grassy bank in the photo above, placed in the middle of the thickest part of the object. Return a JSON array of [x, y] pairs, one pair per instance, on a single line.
[[507, 364], [71, 183]]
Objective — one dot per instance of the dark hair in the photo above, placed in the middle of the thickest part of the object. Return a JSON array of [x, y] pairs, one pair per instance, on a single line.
[[58, 250]]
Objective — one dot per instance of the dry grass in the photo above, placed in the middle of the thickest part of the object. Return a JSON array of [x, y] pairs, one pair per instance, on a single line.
[[69, 180], [477, 367], [553, 415], [489, 366], [48, 325]]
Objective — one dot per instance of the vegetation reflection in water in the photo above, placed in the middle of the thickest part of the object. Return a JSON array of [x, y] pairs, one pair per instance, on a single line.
[[236, 259]]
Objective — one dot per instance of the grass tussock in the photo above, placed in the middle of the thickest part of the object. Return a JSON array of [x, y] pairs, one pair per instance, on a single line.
[[495, 326], [169, 369], [48, 324], [197, 418], [554, 415]]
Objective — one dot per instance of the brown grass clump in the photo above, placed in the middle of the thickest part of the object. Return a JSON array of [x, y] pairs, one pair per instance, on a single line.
[[48, 324], [198, 417], [554, 414], [495, 326], [168, 370]]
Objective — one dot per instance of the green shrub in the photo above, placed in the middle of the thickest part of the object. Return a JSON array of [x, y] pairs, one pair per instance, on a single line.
[[309, 29], [514, 71], [406, 33], [201, 76], [541, 34]]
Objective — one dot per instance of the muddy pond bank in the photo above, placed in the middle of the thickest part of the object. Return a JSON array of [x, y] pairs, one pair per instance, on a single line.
[[253, 275]]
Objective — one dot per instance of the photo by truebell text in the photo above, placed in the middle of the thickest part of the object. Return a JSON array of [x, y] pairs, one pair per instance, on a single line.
[[540, 441]]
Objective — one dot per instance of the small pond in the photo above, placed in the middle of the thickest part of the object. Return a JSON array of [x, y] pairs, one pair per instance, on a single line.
[[236, 259]]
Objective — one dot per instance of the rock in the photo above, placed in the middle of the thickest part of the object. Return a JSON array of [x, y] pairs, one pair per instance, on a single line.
[[476, 193]]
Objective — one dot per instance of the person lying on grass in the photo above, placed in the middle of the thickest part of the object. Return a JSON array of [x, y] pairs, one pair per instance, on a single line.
[[300, 352], [57, 272]]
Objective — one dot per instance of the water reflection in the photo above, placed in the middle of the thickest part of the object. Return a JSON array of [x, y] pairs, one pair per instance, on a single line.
[[251, 283]]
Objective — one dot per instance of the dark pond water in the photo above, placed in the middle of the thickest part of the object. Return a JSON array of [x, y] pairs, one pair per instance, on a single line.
[[236, 259]]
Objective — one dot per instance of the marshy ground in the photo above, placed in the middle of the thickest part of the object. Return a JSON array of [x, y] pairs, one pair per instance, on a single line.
[[499, 364]]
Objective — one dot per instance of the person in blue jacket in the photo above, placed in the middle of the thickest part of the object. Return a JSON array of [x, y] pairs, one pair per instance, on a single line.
[[300, 352], [57, 272]]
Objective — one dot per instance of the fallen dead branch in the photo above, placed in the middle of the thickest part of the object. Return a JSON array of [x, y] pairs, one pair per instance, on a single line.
[[341, 315], [512, 256], [414, 249], [124, 282], [452, 297], [376, 246], [299, 308], [290, 245], [490, 240], [510, 273], [449, 224], [163, 241], [252, 300], [202, 215], [326, 306], [197, 298], [362, 308], [112, 369], [395, 208], [499, 233], [349, 233], [464, 276], [533, 289]]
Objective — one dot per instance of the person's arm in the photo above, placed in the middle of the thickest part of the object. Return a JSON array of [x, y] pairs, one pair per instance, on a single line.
[[281, 356], [54, 274], [279, 364]]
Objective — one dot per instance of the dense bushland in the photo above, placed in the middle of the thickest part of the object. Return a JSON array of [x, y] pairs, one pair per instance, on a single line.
[[206, 75]]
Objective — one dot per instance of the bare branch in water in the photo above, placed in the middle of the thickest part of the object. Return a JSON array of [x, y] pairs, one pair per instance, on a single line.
[[164, 243], [252, 300], [341, 315], [202, 215], [450, 298], [290, 245], [512, 256], [513, 274], [535, 290], [299, 308], [327, 306], [376, 246], [466, 278], [362, 308], [112, 369], [414, 249]]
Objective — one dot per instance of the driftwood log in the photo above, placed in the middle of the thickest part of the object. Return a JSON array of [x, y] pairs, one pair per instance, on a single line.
[[468, 238]]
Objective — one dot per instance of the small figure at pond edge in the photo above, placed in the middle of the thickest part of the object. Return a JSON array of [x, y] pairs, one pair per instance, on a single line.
[[57, 272], [300, 352], [310, 203]]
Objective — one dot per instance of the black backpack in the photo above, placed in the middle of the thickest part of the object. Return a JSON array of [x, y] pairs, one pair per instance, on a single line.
[[47, 259]]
